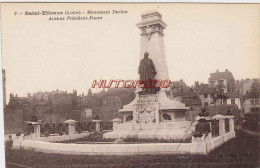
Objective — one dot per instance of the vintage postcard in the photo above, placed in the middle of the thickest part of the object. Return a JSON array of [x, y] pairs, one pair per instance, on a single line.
[[131, 85]]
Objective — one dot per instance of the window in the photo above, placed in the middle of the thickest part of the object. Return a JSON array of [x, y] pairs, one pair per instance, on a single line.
[[252, 101], [221, 83], [252, 109], [129, 118], [256, 101], [212, 84], [205, 95], [206, 104], [166, 116], [233, 101]]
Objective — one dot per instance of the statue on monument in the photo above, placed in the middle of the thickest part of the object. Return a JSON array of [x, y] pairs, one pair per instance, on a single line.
[[147, 73]]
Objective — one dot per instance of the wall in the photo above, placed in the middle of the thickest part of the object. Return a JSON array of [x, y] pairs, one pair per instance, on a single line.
[[237, 102], [208, 100], [217, 83], [248, 105], [247, 86]]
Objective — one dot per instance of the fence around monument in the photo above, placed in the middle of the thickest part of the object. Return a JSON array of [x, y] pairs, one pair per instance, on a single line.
[[85, 127], [80, 127], [215, 127], [227, 125], [106, 126], [222, 130]]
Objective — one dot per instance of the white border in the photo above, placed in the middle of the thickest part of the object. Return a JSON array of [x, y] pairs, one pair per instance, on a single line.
[[139, 1], [2, 148], [2, 154]]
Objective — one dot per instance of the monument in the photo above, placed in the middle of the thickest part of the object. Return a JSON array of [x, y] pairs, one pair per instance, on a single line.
[[152, 114], [147, 73]]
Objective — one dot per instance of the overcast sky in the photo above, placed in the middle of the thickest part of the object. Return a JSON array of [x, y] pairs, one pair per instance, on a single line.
[[43, 55]]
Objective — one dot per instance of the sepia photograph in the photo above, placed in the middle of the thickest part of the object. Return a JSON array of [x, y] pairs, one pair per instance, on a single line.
[[130, 85]]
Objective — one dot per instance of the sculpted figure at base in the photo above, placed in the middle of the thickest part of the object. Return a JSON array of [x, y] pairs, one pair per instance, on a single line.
[[202, 127]]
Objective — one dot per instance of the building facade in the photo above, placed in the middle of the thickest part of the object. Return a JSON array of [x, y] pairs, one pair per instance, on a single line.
[[234, 99], [252, 105], [220, 90], [243, 87], [223, 82]]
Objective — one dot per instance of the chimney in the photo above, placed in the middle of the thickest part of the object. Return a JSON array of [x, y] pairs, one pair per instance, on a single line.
[[226, 70], [217, 70]]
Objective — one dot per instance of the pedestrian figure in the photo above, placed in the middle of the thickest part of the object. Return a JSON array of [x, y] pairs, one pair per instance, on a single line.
[[8, 145], [47, 132], [60, 129]]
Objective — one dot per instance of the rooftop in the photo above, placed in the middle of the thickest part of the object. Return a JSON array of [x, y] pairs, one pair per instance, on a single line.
[[221, 75]]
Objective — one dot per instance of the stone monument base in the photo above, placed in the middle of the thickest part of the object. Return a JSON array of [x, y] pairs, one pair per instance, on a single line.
[[166, 134], [152, 116], [169, 130]]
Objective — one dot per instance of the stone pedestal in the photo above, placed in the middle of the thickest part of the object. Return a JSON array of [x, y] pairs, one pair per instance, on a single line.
[[71, 127], [148, 121], [231, 123], [221, 120], [146, 116], [36, 130], [97, 124], [221, 127], [17, 141], [203, 139], [116, 122]]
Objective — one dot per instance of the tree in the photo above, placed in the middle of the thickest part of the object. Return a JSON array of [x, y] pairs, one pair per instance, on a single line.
[[220, 95], [89, 92]]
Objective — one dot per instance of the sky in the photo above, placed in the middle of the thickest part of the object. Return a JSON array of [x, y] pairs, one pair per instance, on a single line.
[[43, 55]]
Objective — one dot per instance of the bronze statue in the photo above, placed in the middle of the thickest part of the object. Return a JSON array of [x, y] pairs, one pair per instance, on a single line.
[[147, 72]]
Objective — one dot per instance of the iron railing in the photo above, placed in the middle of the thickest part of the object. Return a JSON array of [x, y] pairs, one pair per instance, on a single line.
[[215, 128]]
